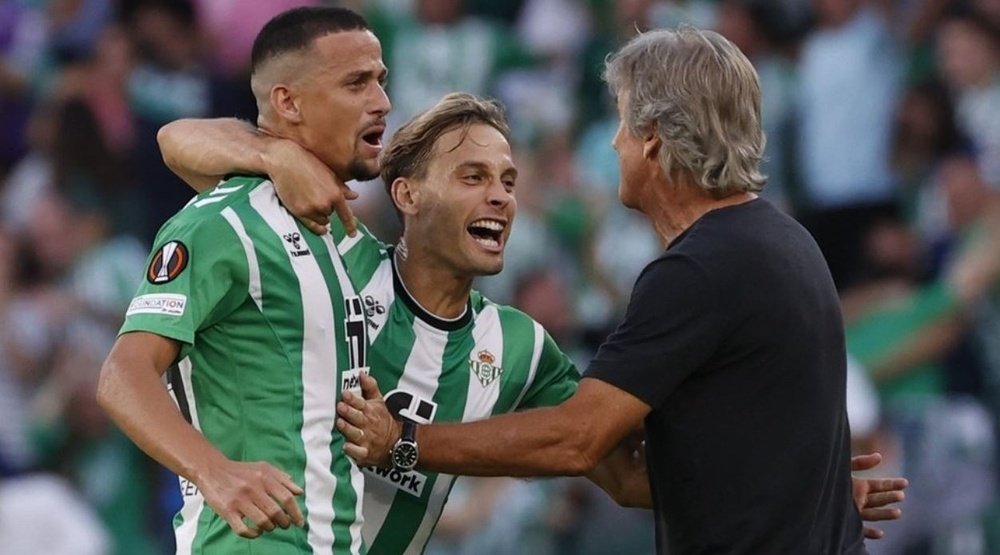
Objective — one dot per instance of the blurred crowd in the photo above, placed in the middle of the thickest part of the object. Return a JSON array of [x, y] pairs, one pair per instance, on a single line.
[[883, 127]]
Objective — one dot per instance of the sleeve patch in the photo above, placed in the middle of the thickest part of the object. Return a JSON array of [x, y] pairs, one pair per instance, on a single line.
[[168, 263], [167, 304]]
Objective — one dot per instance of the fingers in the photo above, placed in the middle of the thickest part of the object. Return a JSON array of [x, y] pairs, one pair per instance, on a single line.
[[369, 387], [358, 453], [875, 500], [351, 430], [865, 462], [235, 521], [887, 484], [346, 216], [873, 533], [873, 515], [352, 400]]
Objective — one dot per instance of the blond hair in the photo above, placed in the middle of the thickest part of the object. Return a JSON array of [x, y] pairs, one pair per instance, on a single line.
[[701, 96]]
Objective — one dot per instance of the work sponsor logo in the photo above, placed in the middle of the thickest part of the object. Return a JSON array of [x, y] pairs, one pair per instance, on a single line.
[[411, 482], [350, 380], [168, 263], [482, 367], [167, 304]]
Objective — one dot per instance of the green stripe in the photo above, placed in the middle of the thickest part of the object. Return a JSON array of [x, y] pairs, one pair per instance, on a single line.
[[390, 350], [407, 512], [518, 346], [364, 258], [264, 427]]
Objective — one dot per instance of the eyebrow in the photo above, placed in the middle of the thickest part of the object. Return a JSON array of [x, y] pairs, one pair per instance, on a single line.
[[483, 167], [365, 74]]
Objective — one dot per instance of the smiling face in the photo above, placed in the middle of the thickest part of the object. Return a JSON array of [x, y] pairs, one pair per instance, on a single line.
[[343, 103], [464, 206]]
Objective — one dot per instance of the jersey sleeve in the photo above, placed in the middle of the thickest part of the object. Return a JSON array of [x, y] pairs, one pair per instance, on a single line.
[[196, 274], [672, 326], [555, 380]]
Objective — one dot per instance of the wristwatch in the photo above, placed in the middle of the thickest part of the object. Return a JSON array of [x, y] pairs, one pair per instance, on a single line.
[[405, 453]]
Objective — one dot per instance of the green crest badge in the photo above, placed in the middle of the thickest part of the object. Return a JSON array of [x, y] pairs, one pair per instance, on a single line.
[[484, 368]]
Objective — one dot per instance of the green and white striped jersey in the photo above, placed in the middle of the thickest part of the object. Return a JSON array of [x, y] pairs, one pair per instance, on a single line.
[[494, 359], [271, 332]]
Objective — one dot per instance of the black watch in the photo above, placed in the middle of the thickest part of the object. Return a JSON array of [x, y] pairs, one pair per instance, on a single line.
[[405, 453]]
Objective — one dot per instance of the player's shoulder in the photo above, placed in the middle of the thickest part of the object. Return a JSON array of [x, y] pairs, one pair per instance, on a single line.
[[205, 214], [508, 315]]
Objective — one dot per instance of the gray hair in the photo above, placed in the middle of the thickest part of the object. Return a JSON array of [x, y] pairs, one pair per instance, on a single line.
[[701, 96]]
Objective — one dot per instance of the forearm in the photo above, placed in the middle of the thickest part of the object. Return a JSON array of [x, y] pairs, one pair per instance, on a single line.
[[137, 401], [623, 476], [540, 442], [201, 152]]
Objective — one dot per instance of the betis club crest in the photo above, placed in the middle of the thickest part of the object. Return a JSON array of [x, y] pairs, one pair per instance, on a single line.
[[484, 368]]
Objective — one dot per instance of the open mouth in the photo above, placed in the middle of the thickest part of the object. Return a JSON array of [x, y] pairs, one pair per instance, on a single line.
[[488, 233], [374, 137]]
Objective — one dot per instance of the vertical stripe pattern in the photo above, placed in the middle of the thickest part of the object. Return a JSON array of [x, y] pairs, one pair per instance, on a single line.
[[319, 376], [254, 288], [193, 504]]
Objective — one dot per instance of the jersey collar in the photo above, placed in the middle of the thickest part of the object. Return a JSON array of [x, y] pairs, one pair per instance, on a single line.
[[422, 313]]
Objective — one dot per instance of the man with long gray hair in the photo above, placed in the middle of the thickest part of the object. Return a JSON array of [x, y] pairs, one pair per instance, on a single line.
[[731, 353]]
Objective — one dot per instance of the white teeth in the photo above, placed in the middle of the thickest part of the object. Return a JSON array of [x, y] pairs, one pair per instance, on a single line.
[[487, 241], [492, 225]]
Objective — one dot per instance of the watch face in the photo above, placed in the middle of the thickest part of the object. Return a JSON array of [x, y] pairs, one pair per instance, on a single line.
[[404, 456]]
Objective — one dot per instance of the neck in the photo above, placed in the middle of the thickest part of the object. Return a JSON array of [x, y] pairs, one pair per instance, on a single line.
[[436, 289], [674, 208]]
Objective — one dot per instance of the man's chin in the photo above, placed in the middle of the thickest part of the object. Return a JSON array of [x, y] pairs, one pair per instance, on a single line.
[[364, 171]]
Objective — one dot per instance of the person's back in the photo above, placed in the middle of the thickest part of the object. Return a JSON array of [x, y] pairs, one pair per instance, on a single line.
[[757, 433], [260, 307]]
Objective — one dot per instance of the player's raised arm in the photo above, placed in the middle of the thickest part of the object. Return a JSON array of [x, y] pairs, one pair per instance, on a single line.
[[132, 393], [202, 151]]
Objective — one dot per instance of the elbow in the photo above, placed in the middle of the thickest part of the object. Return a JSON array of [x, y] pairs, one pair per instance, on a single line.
[[106, 386], [582, 455], [166, 139]]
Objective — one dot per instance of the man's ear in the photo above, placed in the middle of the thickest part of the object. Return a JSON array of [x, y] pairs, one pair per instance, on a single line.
[[406, 195], [285, 103], [651, 146]]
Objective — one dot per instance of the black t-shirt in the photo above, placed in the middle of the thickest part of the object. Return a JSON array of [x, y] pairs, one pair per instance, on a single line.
[[734, 337]]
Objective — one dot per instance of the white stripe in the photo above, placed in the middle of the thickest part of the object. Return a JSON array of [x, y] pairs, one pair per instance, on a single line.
[[254, 268], [357, 477], [488, 335], [193, 504], [420, 377], [379, 288], [348, 242], [208, 200], [319, 376], [536, 355], [220, 190], [435, 503]]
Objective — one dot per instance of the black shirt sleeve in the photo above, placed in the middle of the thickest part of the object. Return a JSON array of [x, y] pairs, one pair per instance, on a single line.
[[672, 326]]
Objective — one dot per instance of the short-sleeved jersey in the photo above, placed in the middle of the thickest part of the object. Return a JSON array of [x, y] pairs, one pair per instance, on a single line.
[[493, 359], [270, 332]]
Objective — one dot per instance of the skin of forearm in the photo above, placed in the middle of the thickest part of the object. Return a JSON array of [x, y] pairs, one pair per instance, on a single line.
[[132, 394], [623, 478], [202, 151], [539, 442]]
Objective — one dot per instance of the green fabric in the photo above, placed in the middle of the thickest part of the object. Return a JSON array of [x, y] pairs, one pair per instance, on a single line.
[[889, 326]]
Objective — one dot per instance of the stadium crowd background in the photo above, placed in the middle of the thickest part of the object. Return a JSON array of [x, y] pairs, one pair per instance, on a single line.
[[883, 124]]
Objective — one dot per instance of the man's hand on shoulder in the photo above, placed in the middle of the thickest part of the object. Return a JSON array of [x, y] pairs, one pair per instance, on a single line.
[[307, 188], [251, 491]]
